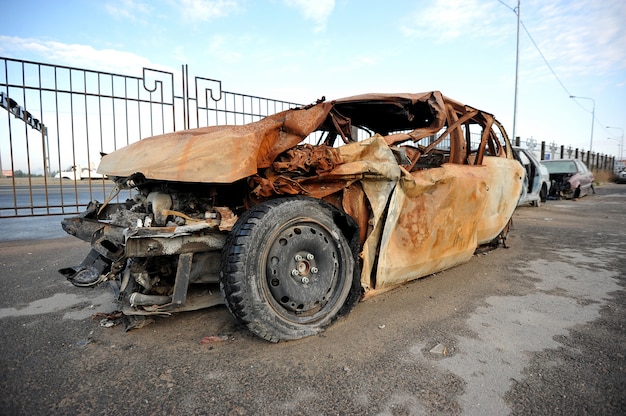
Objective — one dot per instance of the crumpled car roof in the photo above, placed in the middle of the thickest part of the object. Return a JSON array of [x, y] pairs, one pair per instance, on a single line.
[[225, 154]]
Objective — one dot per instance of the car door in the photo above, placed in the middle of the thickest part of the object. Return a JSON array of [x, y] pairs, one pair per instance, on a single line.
[[586, 177], [526, 193], [437, 217]]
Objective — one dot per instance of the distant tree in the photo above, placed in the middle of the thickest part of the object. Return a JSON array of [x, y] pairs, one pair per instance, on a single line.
[[19, 174]]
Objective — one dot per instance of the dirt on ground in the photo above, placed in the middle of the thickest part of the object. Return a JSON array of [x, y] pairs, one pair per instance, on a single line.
[[537, 328]]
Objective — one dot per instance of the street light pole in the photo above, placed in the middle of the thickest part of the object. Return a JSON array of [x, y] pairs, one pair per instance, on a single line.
[[517, 12], [593, 117], [621, 152]]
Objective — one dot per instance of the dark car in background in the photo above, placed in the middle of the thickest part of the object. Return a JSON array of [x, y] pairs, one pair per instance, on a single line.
[[570, 178]]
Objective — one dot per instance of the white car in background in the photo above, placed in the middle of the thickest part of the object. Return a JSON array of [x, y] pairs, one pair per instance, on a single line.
[[537, 181], [76, 173]]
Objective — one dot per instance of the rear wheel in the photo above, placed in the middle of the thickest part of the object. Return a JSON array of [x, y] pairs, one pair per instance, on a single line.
[[287, 269]]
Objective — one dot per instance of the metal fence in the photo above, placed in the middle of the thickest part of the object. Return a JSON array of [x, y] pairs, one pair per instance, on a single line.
[[60, 119], [552, 151]]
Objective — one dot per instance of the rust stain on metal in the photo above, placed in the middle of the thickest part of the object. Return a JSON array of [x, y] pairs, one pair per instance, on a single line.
[[227, 218]]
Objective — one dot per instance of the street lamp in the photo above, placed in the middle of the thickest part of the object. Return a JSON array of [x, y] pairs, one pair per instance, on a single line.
[[593, 117], [621, 152]]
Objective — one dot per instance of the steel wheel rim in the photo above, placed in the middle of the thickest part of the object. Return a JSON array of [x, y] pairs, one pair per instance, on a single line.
[[304, 271]]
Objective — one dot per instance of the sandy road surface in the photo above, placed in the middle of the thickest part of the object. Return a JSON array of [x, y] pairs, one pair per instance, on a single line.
[[534, 329]]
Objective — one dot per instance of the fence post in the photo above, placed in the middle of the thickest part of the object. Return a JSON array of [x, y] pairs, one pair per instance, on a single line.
[[603, 161]]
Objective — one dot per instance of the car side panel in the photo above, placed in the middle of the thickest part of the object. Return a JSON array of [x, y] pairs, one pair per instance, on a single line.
[[438, 217], [505, 178]]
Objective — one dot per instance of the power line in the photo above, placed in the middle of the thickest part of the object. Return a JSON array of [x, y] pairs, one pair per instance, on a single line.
[[546, 61], [595, 118], [514, 10]]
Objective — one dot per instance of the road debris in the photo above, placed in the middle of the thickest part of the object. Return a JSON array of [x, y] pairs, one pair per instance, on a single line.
[[439, 349], [212, 339]]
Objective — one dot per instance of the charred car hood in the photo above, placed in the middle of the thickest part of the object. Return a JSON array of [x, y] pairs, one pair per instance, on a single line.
[[225, 154], [219, 154]]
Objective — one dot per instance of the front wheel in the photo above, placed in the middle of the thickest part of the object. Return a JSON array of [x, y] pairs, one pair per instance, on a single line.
[[288, 270], [543, 194]]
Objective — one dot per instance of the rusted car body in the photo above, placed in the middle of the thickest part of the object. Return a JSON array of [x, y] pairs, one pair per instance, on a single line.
[[301, 214]]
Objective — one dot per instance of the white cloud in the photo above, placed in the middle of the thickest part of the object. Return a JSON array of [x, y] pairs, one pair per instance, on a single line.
[[449, 19], [317, 11], [577, 37], [582, 37], [76, 55], [221, 49], [132, 10], [204, 10], [179, 54]]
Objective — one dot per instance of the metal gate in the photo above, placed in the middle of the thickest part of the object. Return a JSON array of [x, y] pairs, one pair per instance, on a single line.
[[59, 120]]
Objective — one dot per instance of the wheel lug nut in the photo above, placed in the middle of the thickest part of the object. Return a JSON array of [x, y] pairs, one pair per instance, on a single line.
[[294, 272], [310, 256], [314, 270], [305, 280], [298, 257]]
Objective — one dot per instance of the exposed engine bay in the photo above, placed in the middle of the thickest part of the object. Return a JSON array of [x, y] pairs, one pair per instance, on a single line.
[[161, 249], [561, 187]]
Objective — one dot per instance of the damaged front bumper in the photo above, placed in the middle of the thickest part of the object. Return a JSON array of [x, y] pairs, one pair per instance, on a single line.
[[152, 268]]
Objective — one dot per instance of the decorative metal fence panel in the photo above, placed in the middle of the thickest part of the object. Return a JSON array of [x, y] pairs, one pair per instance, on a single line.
[[59, 120]]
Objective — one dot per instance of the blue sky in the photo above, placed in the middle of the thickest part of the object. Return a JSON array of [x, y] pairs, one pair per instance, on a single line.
[[299, 50]]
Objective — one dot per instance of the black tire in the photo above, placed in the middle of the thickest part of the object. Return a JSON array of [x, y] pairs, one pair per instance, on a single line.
[[543, 197], [288, 268]]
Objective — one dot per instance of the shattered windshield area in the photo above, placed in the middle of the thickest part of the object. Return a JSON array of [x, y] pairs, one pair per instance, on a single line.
[[561, 166]]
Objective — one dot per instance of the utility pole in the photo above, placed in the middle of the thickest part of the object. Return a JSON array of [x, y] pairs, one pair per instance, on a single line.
[[517, 12]]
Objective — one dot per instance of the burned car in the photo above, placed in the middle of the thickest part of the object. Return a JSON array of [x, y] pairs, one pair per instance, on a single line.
[[299, 215], [570, 178]]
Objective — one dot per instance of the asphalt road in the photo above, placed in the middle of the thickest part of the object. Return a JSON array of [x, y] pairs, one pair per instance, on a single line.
[[537, 328], [41, 207], [53, 197]]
